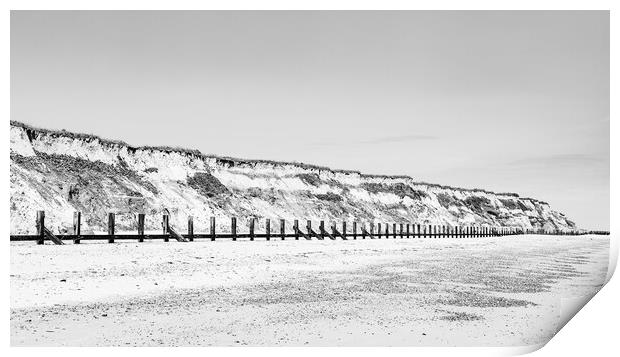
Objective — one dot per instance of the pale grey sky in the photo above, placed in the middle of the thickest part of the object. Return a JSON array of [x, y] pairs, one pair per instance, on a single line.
[[507, 101]]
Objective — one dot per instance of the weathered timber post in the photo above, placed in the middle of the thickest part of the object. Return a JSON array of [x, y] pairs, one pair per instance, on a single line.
[[252, 228], [40, 227], [268, 229], [354, 228], [394, 230], [140, 227], [344, 229], [77, 217], [322, 229], [166, 227], [190, 228], [296, 229], [387, 231], [418, 230], [212, 227], [372, 229], [435, 231], [378, 230], [443, 231], [233, 228], [111, 227], [407, 230], [282, 229]]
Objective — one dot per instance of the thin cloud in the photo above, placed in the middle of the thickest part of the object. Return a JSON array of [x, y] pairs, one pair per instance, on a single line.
[[378, 140], [399, 139], [561, 160]]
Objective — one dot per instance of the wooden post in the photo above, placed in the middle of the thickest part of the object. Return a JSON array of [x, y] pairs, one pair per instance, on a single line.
[[378, 230], [41, 227], [435, 231], [282, 229], [77, 217], [419, 232], [111, 227], [140, 227], [252, 228], [165, 225], [407, 230], [344, 229], [309, 227], [354, 229], [212, 224], [387, 231], [394, 234], [233, 228], [268, 228], [190, 228], [363, 230], [372, 229], [322, 229], [296, 229]]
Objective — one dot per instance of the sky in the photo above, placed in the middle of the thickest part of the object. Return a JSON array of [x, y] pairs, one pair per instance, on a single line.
[[508, 101]]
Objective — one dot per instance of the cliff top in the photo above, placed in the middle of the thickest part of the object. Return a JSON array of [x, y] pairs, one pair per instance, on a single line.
[[32, 132]]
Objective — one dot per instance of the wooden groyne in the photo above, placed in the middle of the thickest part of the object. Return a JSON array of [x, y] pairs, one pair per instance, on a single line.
[[357, 231]]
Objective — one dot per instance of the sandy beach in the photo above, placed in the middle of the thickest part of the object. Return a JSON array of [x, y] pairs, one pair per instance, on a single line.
[[504, 291]]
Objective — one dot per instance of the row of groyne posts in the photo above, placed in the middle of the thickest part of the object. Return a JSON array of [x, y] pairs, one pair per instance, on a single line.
[[362, 231]]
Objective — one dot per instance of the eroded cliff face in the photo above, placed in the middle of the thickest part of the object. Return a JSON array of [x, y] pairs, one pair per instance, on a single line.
[[62, 172]]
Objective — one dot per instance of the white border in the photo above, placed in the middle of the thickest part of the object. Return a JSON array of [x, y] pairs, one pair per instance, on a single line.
[[589, 332]]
